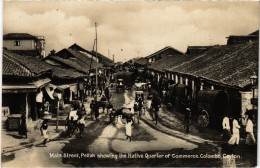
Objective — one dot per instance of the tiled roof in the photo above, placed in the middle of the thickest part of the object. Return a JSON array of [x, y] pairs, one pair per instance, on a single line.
[[19, 36], [196, 49], [141, 61], [256, 33], [73, 59], [66, 73], [164, 49], [69, 63], [14, 68], [27, 52], [169, 62], [35, 65], [105, 61], [28, 66], [228, 64]]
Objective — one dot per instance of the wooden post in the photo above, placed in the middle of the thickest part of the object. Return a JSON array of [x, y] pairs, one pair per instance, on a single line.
[[193, 88], [26, 107], [57, 121]]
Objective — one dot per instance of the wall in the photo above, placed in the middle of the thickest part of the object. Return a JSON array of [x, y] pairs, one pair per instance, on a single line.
[[24, 45]]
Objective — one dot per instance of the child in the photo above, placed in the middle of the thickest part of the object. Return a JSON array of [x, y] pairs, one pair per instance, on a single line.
[[43, 129]]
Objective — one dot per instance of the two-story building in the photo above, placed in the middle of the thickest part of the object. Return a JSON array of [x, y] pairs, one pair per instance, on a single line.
[[25, 44]]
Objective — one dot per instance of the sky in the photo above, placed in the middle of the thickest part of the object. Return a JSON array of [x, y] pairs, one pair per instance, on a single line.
[[131, 29]]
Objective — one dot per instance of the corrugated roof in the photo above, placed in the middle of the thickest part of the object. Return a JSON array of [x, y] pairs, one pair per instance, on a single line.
[[19, 36], [228, 64]]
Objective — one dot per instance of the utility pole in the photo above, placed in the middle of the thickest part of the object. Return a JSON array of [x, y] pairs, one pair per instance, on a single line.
[[108, 53], [113, 58], [96, 59]]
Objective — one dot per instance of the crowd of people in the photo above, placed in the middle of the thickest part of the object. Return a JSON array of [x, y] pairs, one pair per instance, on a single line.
[[234, 138]]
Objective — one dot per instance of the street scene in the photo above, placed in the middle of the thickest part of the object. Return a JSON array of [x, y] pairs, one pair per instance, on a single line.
[[72, 98]]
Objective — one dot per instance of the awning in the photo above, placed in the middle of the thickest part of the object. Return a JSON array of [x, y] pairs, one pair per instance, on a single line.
[[18, 88], [23, 88], [42, 82], [65, 86], [139, 84]]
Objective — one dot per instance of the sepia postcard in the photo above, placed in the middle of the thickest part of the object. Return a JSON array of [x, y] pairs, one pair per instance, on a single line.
[[130, 83]]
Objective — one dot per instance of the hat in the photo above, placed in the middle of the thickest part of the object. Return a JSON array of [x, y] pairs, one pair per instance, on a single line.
[[187, 109]]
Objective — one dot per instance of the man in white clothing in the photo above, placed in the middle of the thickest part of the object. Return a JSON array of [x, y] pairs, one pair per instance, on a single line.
[[235, 137], [226, 128]]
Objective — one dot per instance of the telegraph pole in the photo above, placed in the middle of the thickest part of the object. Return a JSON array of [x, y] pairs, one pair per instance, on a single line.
[[96, 59]]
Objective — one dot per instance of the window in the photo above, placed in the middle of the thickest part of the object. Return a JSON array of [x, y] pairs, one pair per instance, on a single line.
[[17, 43]]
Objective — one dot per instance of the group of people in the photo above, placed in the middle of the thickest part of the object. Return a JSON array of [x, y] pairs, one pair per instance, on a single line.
[[235, 138]]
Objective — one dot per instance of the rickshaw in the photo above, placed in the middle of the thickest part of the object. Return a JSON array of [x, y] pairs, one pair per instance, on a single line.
[[123, 112], [71, 122], [103, 103], [140, 86], [73, 116], [120, 86]]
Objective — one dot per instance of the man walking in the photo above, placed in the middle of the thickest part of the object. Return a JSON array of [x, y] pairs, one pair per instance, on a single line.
[[187, 120]]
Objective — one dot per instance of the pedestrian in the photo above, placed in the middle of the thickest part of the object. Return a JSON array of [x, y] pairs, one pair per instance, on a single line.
[[140, 105], [187, 120], [44, 131], [226, 128], [23, 128], [250, 138], [81, 124], [149, 88], [96, 109], [93, 92], [107, 94], [109, 107], [103, 100], [100, 90], [128, 128], [234, 140], [156, 104]]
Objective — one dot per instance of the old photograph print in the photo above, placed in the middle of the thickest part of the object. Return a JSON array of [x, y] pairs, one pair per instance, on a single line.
[[129, 84]]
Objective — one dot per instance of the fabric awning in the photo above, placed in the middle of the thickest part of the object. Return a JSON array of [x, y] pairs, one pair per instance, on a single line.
[[41, 82], [65, 86]]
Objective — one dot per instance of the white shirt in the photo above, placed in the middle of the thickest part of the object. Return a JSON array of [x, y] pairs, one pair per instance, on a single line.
[[235, 127], [249, 126], [225, 123]]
